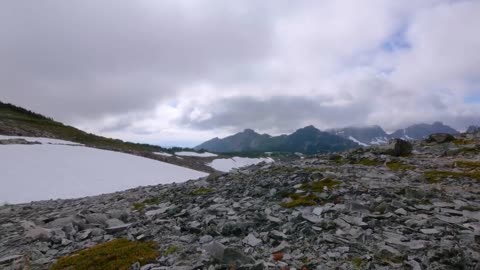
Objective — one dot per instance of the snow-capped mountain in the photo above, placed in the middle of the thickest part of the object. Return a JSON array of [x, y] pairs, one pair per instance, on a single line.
[[364, 136], [374, 135]]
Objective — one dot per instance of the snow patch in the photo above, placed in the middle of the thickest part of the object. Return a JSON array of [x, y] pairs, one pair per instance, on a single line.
[[163, 154], [195, 154], [40, 140], [227, 164], [379, 140], [357, 141], [49, 171]]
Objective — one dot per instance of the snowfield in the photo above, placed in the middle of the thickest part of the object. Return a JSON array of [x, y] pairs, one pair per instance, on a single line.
[[227, 164], [163, 154], [51, 171], [195, 154], [357, 141], [40, 140]]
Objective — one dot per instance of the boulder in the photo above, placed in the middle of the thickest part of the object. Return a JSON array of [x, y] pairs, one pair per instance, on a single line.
[[96, 218], [38, 233], [251, 240], [440, 138], [398, 147], [227, 255]]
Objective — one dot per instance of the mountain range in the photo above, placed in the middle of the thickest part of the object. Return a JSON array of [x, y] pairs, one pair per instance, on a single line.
[[310, 140], [15, 120]]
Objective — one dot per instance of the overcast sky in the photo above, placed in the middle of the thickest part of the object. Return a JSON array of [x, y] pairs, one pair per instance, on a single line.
[[181, 72]]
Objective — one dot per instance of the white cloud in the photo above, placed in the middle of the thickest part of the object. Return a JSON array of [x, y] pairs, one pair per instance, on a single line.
[[185, 71]]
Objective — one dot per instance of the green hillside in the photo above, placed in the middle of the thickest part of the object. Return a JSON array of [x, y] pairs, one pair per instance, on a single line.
[[15, 120]]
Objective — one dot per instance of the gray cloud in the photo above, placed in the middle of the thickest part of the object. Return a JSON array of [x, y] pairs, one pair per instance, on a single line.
[[87, 58], [283, 113], [151, 70]]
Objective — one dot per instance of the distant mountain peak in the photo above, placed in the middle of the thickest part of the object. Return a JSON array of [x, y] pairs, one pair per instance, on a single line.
[[422, 130], [308, 140], [308, 128], [249, 130]]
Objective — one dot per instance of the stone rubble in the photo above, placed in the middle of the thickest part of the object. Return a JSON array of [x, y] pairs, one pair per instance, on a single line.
[[371, 216]]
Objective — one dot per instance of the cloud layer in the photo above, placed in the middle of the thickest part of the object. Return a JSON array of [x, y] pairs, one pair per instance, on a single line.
[[174, 72]]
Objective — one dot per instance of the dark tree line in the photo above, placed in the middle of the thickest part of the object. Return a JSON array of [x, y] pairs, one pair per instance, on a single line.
[[23, 111]]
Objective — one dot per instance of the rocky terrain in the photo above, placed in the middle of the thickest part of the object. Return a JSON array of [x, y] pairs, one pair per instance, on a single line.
[[389, 207]]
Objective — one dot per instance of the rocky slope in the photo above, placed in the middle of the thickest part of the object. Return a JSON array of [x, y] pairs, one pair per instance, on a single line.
[[361, 209]]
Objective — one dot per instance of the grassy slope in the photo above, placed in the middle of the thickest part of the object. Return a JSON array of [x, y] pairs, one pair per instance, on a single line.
[[18, 121]]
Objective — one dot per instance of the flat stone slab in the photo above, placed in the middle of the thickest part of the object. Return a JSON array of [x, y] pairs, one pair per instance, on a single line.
[[118, 228]]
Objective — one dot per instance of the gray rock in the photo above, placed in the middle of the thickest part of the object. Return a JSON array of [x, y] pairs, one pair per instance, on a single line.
[[227, 255], [10, 259], [232, 229], [440, 138], [119, 228], [61, 222], [84, 234], [251, 240], [113, 222], [205, 239], [38, 233], [430, 231], [96, 218], [313, 218], [162, 208], [278, 235], [317, 211], [398, 147], [274, 219]]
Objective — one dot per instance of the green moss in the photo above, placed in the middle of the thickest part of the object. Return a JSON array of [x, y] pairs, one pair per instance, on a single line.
[[280, 170], [151, 201], [437, 176], [139, 206], [113, 255], [369, 162], [357, 262], [313, 169], [468, 164], [202, 191], [171, 250], [461, 141], [470, 150], [398, 166], [339, 160], [319, 186], [300, 200]]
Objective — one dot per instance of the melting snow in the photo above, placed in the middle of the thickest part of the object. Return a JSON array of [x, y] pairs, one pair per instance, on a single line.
[[357, 141], [379, 140], [163, 154], [40, 140], [227, 164], [195, 154], [49, 171]]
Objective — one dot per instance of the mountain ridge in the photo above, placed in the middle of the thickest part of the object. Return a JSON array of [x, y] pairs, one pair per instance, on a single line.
[[362, 136], [309, 140]]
